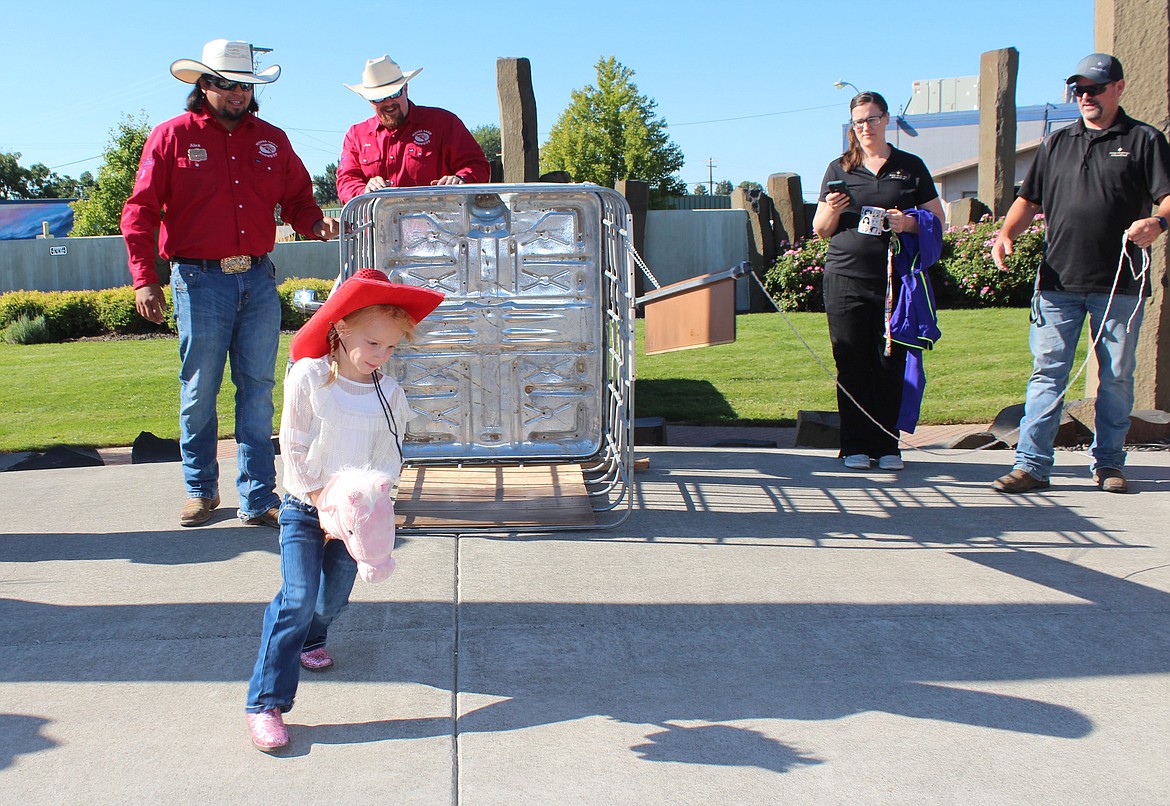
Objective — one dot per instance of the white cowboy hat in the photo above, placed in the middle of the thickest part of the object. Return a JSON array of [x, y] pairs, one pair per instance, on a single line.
[[230, 59], [382, 77]]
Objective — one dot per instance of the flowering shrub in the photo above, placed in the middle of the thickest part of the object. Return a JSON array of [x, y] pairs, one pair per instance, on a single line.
[[796, 280], [967, 277], [964, 277]]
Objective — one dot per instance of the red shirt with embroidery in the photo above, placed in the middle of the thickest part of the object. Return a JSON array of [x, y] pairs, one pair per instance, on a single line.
[[430, 144], [214, 192]]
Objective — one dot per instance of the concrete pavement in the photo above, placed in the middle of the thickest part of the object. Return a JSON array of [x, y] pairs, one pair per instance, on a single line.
[[767, 627]]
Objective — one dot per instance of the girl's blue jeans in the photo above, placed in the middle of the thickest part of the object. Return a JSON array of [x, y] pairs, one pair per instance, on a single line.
[[318, 576]]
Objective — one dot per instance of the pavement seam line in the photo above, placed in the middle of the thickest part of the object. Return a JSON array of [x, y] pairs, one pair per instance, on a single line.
[[455, 599]]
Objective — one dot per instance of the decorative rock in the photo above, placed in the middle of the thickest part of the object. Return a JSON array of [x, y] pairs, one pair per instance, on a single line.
[[966, 211], [789, 222], [818, 429], [1145, 427], [978, 440], [149, 448], [1071, 432], [649, 431]]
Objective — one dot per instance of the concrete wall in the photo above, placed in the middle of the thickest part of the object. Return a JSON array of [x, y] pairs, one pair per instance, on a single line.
[[686, 243], [100, 262]]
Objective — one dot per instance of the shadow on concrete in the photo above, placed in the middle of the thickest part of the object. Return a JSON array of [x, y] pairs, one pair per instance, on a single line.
[[659, 665], [22, 735]]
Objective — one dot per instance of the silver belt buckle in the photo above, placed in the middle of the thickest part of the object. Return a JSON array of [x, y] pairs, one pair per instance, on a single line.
[[235, 264]]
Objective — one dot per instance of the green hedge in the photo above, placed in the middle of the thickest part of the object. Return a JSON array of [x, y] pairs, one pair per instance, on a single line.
[[964, 277], [78, 314]]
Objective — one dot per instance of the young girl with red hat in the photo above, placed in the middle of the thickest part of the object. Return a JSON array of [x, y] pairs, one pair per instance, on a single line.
[[339, 412]]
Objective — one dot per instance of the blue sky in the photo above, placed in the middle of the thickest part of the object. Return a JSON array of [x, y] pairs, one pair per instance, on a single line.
[[747, 84]]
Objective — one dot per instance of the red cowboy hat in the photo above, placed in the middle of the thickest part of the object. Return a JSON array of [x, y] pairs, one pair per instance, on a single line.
[[366, 287]]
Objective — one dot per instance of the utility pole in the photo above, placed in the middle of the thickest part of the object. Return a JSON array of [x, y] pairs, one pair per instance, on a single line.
[[711, 176]]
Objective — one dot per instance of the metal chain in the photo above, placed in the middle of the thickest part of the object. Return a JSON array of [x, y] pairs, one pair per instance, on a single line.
[[628, 242]]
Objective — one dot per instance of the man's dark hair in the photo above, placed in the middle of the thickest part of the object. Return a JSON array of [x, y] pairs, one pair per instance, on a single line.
[[197, 97]]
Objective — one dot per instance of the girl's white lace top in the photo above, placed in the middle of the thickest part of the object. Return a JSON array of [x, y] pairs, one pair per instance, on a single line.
[[324, 429]]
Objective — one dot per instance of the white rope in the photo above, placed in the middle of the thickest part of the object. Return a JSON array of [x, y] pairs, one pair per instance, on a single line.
[[1137, 274], [1141, 274]]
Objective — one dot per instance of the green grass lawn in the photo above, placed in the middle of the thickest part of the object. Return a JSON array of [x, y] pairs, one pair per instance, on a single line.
[[980, 365], [103, 393]]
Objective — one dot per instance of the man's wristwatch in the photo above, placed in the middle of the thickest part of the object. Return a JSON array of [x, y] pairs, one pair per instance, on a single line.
[[1161, 222]]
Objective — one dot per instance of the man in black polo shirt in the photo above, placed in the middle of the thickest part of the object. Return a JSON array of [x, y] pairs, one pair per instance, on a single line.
[[1096, 182]]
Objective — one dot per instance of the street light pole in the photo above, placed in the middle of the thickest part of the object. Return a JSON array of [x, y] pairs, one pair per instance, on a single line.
[[839, 84]]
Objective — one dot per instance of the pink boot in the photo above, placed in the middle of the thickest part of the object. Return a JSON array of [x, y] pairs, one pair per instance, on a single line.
[[316, 660], [268, 730]]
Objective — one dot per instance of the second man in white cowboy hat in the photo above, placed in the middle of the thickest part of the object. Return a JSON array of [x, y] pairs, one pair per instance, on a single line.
[[208, 184], [404, 144]]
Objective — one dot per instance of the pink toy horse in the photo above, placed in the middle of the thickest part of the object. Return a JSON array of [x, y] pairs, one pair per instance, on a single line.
[[355, 507]]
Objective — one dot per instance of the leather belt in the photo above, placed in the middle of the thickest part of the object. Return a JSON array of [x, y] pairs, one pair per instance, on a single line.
[[236, 264]]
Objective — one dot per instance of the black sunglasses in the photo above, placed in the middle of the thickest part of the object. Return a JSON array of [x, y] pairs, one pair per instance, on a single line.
[[1092, 90], [390, 97], [228, 86]]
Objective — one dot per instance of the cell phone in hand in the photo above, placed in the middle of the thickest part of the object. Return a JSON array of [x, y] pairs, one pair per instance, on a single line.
[[837, 186]]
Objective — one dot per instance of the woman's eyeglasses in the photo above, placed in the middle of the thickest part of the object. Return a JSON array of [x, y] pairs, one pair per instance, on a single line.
[[872, 120], [391, 97], [1092, 90], [228, 86]]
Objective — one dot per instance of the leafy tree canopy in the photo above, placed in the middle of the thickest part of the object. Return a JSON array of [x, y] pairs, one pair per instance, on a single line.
[[325, 187], [488, 137], [36, 181], [101, 212], [610, 132]]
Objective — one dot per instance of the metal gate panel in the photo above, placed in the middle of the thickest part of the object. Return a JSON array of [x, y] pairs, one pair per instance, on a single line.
[[530, 356]]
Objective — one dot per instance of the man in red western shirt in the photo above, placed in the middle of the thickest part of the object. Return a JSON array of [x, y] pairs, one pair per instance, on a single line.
[[403, 144], [209, 181]]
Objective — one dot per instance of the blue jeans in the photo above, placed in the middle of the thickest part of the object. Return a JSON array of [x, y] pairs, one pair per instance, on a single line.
[[318, 576], [220, 317], [1060, 316]]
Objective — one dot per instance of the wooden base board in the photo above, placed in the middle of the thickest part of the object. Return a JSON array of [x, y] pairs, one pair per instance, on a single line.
[[492, 496]]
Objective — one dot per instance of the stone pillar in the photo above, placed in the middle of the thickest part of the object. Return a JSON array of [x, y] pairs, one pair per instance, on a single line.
[[761, 240], [788, 223], [1138, 33], [518, 137], [637, 195], [997, 128], [761, 244]]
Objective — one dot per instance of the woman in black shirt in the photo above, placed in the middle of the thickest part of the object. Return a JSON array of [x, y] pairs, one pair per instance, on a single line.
[[887, 181]]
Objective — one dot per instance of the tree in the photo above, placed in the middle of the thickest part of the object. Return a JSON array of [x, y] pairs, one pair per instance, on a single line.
[[34, 182], [610, 132], [488, 137], [723, 188], [325, 187], [746, 185], [701, 189], [101, 212]]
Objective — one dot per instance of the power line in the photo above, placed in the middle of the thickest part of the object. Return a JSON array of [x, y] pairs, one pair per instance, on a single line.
[[750, 117]]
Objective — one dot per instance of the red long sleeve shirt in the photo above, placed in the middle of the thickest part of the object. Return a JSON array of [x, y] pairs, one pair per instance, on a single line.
[[218, 190], [430, 144]]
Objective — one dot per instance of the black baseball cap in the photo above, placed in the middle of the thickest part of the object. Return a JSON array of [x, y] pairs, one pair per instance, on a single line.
[[1100, 67]]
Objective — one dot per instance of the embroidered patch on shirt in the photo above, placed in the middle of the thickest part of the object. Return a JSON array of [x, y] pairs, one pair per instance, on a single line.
[[267, 148], [1119, 152], [197, 154], [899, 175], [422, 137]]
